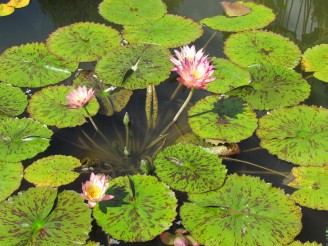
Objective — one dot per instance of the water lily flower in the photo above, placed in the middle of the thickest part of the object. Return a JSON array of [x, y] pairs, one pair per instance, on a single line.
[[94, 189], [80, 97], [186, 53]]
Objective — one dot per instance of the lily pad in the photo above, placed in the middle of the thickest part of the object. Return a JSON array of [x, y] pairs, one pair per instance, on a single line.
[[32, 65], [261, 47], [11, 176], [298, 134], [245, 211], [169, 31], [132, 12], [135, 66], [83, 41], [142, 208], [227, 119], [235, 9], [6, 10], [271, 82], [49, 107], [189, 168], [22, 139], [52, 171], [34, 217], [13, 100], [259, 17], [298, 243], [18, 3]]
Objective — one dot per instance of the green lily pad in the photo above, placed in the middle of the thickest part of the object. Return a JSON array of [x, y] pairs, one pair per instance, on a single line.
[[32, 65], [259, 17], [312, 185], [83, 41], [245, 211], [315, 60], [135, 66], [298, 134], [132, 12], [22, 139], [13, 100], [227, 119], [34, 217], [271, 82], [52, 171], [261, 47], [49, 107], [11, 176], [169, 31], [189, 168], [228, 76], [142, 208]]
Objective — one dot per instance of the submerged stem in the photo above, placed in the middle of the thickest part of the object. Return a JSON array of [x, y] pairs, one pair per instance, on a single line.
[[252, 149], [91, 120]]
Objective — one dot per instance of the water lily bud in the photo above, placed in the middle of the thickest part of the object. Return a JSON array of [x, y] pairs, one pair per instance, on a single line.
[[126, 119]]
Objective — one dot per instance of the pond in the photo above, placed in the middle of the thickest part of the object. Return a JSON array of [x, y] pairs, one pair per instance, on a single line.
[[264, 116]]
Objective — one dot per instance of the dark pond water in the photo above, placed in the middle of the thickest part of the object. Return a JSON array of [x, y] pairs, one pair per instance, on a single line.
[[305, 22]]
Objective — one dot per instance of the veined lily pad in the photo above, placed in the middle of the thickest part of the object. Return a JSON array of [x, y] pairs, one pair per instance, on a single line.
[[245, 211], [169, 31], [22, 139], [6, 10], [190, 168], [13, 100], [11, 176], [142, 208], [270, 83], [31, 218], [32, 65], [259, 17], [135, 66], [132, 12], [298, 134], [227, 119], [52, 171], [49, 107], [260, 47], [83, 41]]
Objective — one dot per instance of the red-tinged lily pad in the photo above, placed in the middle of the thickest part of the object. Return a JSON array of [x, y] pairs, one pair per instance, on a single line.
[[235, 9], [11, 176], [13, 101]]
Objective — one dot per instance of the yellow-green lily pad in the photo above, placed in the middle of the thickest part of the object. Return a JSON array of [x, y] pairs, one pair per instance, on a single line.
[[11, 176]]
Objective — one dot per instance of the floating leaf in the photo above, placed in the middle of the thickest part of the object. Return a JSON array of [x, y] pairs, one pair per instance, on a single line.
[[142, 208], [235, 9], [31, 218], [228, 119], [259, 17], [298, 134], [245, 211], [22, 139], [132, 12], [260, 47], [6, 9], [49, 107], [169, 31], [32, 65], [11, 176], [18, 3], [13, 101], [83, 41], [298, 243], [135, 66], [271, 82]]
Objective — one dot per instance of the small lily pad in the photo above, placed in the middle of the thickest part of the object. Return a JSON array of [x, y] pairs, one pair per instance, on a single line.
[[142, 208], [227, 119], [18, 3], [298, 134], [13, 100], [189, 168], [32, 65], [22, 139], [11, 176], [298, 243], [169, 31], [261, 47], [6, 9], [245, 211], [235, 9]]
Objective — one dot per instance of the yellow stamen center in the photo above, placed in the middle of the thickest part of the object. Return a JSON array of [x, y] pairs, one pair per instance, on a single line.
[[93, 191]]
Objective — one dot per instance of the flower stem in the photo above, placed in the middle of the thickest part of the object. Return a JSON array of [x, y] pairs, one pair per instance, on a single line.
[[210, 39], [252, 149], [91, 120]]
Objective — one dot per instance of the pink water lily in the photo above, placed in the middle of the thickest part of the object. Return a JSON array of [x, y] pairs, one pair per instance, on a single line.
[[186, 52], [79, 97]]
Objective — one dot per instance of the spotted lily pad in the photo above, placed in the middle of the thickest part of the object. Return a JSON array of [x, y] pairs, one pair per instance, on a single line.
[[142, 208], [34, 217], [32, 65], [271, 82], [83, 41], [261, 47], [227, 119], [11, 176], [13, 100], [245, 211], [49, 107], [169, 31], [259, 17], [189, 168], [298, 134], [135, 66], [22, 139]]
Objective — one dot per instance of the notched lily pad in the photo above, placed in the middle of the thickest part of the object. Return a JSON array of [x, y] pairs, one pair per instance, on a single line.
[[11, 176], [235, 9], [13, 100]]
